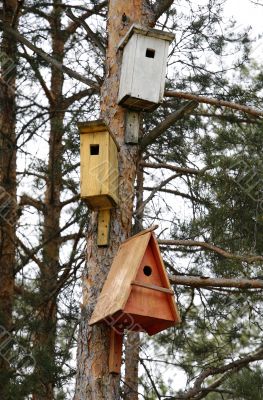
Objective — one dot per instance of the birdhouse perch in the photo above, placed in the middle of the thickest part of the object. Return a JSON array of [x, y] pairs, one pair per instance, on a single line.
[[137, 294]]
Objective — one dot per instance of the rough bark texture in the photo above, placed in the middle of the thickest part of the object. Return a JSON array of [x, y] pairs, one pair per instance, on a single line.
[[132, 345], [132, 350], [93, 379], [8, 185], [45, 337]]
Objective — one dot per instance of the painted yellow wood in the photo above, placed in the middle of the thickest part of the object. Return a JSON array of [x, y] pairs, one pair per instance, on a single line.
[[98, 166], [103, 227]]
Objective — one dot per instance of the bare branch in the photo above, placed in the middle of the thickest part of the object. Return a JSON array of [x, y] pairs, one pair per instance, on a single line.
[[77, 96], [199, 392], [77, 23], [178, 193], [179, 170], [73, 74], [215, 102], [161, 6], [210, 247], [31, 254], [40, 78], [169, 121], [26, 200], [92, 35], [203, 281]]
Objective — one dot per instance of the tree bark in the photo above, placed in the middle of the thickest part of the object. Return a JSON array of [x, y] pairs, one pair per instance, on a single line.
[[8, 51], [93, 378]]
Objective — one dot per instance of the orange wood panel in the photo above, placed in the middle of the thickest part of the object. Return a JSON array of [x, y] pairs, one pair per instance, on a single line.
[[116, 340]]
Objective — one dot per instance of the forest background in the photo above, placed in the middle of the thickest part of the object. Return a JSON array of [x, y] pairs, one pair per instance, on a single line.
[[198, 177]]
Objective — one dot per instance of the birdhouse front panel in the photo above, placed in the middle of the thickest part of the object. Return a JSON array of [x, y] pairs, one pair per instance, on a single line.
[[143, 68], [144, 300], [98, 166]]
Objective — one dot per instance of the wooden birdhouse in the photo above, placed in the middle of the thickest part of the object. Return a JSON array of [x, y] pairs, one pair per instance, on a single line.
[[137, 294], [98, 166], [143, 69]]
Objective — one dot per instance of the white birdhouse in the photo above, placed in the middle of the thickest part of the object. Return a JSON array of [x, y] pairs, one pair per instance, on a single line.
[[143, 70]]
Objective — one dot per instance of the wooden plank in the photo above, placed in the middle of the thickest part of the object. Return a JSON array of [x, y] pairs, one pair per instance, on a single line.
[[141, 30], [153, 287], [132, 127], [116, 340], [103, 227], [113, 171]]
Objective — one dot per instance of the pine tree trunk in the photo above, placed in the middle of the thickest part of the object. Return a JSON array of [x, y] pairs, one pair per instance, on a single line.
[[7, 187], [132, 349], [132, 345], [45, 336], [93, 378]]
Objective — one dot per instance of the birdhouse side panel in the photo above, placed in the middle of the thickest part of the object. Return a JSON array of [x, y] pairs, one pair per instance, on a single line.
[[127, 68], [94, 165], [165, 279], [117, 287], [148, 78], [164, 69]]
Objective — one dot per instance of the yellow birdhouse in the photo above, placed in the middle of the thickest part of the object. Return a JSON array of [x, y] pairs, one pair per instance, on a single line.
[[98, 166]]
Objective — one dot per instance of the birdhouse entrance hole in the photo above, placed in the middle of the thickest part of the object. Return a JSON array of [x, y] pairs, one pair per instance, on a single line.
[[150, 53], [94, 149], [147, 270]]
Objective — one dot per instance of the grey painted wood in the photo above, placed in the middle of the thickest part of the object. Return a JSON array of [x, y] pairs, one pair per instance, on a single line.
[[143, 69], [132, 127]]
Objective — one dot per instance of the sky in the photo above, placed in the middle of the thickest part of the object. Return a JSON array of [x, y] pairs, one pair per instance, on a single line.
[[246, 14]]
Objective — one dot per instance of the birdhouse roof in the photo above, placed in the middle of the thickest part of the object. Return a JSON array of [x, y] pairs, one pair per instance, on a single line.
[[96, 126], [118, 285], [142, 30]]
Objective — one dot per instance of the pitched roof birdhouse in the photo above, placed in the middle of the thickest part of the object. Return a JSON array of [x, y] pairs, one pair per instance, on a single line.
[[137, 294], [143, 69], [98, 166]]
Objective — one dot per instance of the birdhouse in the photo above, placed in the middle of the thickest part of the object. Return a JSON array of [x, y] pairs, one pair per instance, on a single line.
[[143, 69], [98, 166], [137, 294]]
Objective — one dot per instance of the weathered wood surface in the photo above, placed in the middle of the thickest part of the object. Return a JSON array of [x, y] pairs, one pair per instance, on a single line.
[[98, 171]]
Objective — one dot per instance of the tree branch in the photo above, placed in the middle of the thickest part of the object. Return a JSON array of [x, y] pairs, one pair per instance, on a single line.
[[92, 35], [26, 200], [71, 28], [210, 247], [215, 102], [160, 7], [73, 74], [203, 281], [169, 121], [179, 170], [77, 96], [40, 78], [199, 392]]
